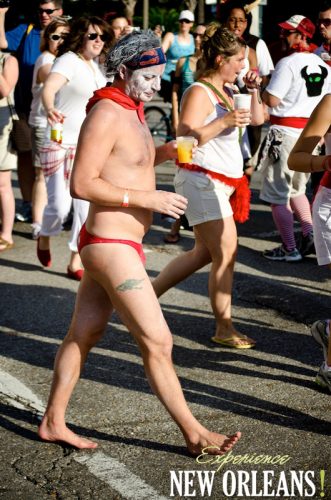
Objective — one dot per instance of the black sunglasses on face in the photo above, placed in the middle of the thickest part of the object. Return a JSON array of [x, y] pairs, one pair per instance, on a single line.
[[185, 21], [195, 35], [287, 32], [47, 11], [94, 36], [325, 22], [56, 37]]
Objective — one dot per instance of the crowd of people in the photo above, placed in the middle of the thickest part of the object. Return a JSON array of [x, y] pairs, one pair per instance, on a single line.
[[70, 164]]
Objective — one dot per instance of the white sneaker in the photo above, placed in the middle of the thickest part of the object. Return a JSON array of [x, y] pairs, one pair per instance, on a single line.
[[323, 377], [320, 333], [280, 253]]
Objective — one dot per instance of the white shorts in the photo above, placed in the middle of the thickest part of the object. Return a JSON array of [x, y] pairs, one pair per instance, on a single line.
[[322, 225], [208, 199]]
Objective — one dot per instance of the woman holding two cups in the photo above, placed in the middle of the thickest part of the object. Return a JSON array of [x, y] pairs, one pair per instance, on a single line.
[[217, 192]]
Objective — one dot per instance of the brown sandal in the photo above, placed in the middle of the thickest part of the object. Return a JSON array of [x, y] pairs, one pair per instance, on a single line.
[[6, 245]]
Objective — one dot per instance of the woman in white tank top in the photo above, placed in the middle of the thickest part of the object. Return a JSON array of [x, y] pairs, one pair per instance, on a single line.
[[216, 175]]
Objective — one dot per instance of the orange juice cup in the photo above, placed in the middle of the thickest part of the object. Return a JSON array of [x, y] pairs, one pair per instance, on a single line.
[[185, 145]]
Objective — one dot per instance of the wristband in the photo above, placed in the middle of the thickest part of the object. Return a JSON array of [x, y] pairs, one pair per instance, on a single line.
[[125, 202], [252, 91]]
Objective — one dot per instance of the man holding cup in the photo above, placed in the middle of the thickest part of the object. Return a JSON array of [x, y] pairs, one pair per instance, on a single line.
[[115, 172]]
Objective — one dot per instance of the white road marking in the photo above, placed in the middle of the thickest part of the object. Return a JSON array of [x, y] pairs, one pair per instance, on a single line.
[[18, 394], [102, 466], [118, 477]]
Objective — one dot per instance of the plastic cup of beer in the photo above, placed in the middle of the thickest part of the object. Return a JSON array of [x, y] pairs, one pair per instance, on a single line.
[[242, 101], [185, 145]]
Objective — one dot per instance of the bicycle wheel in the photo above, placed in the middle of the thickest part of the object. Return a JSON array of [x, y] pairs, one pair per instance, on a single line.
[[159, 124]]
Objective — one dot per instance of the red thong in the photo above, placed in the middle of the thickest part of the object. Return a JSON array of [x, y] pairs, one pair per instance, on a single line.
[[85, 238]]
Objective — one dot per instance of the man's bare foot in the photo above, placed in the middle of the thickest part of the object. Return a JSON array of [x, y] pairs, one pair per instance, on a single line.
[[218, 443], [49, 432]]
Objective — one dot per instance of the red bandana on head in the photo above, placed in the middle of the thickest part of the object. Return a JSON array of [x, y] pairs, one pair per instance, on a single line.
[[117, 95]]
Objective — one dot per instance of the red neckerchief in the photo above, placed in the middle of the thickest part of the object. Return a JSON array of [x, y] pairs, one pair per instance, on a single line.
[[302, 47], [117, 95]]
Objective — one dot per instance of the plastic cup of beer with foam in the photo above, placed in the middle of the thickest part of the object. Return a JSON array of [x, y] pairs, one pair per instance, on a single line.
[[185, 144]]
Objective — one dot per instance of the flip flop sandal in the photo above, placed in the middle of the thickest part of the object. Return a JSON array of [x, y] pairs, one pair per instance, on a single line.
[[6, 245], [234, 343]]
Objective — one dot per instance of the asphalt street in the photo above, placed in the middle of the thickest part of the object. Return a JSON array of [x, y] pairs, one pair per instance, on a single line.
[[268, 393]]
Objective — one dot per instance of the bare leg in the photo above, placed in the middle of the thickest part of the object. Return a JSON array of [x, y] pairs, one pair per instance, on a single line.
[[181, 267], [39, 196], [173, 235], [220, 237], [7, 204], [91, 314], [132, 295], [44, 242]]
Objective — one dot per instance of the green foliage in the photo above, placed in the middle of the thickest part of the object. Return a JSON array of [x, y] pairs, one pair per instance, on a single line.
[[160, 15]]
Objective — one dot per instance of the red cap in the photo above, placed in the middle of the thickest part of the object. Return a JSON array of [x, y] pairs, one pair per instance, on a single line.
[[299, 23]]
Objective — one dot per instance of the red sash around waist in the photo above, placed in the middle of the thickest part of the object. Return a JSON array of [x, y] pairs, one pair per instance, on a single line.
[[289, 121], [240, 198]]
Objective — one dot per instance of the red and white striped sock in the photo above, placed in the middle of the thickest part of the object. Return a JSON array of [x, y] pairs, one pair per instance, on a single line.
[[283, 218], [301, 207]]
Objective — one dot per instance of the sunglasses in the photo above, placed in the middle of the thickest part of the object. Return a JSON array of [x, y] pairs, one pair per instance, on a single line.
[[185, 21], [94, 36], [325, 22], [56, 37], [47, 11], [196, 35], [287, 32]]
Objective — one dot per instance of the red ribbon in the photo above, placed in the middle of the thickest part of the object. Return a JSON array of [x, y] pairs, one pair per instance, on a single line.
[[289, 121]]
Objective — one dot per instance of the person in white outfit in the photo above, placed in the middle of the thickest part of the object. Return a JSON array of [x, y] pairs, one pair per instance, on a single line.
[[74, 77], [51, 40]]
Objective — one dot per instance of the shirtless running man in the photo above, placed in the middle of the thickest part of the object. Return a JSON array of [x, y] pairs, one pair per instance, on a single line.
[[114, 171]]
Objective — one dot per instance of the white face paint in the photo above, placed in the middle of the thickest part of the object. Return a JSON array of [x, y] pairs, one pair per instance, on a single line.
[[143, 83]]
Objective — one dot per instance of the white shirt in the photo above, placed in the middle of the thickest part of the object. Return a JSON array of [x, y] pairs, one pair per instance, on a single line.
[[37, 117], [299, 94], [221, 154], [83, 79], [264, 61]]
